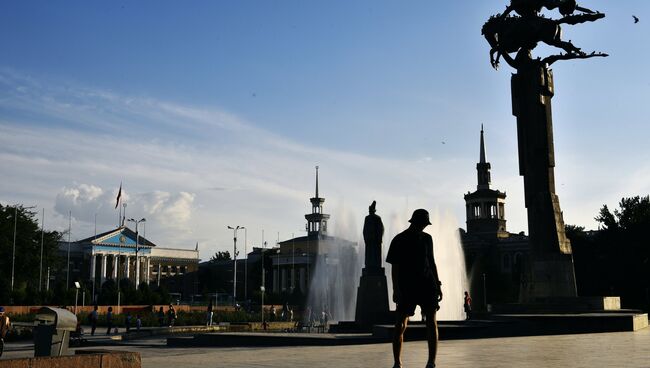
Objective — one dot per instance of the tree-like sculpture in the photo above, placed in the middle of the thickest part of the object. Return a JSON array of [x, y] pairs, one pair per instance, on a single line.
[[549, 272]]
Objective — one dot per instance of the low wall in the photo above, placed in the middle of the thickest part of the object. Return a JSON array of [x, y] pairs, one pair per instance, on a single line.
[[103, 309], [92, 360]]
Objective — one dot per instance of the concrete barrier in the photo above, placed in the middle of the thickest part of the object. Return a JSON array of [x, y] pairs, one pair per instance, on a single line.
[[85, 360]]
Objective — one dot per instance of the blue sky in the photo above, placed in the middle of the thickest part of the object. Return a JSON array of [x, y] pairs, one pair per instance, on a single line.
[[214, 113]]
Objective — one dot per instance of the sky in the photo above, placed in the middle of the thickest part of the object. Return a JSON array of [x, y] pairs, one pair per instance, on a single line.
[[215, 113]]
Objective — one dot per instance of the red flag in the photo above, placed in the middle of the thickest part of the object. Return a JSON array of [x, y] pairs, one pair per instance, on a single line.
[[119, 194]]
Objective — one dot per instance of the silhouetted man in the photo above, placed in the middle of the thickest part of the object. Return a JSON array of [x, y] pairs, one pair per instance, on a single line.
[[415, 282]]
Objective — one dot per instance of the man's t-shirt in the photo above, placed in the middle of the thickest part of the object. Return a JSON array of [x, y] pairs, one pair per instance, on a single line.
[[412, 251]]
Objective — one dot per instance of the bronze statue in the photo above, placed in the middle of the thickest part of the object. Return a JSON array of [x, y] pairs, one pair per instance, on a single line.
[[550, 273], [373, 233], [521, 34]]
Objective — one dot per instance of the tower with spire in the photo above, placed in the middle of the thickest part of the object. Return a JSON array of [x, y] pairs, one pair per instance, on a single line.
[[317, 220], [485, 206]]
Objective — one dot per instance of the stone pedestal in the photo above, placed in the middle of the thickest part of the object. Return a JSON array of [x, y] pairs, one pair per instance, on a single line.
[[550, 270], [372, 298]]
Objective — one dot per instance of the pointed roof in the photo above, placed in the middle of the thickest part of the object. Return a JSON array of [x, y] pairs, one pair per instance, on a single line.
[[482, 158], [120, 236], [316, 182]]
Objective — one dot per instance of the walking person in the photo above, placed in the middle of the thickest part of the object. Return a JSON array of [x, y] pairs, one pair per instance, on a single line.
[[415, 282], [208, 317], [93, 320], [467, 306], [109, 320], [5, 326], [138, 323], [127, 322], [161, 317], [171, 316]]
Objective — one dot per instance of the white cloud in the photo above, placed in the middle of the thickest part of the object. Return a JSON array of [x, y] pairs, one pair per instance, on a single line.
[[191, 171]]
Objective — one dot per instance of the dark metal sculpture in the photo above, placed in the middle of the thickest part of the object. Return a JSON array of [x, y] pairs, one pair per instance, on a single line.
[[521, 34], [549, 272]]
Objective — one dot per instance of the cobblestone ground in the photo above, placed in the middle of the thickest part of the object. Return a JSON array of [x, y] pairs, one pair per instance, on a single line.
[[625, 349]]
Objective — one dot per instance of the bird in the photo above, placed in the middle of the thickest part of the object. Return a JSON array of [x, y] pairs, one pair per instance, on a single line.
[[636, 19]]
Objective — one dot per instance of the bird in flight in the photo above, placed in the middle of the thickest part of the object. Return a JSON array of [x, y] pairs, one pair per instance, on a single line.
[[636, 19]]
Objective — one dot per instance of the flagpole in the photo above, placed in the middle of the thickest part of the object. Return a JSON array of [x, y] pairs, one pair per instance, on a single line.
[[67, 280], [40, 272]]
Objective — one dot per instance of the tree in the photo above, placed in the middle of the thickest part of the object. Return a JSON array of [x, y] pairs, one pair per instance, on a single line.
[[221, 256], [616, 259], [28, 251]]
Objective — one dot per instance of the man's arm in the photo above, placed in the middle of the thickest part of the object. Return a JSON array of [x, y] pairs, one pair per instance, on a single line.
[[397, 294]]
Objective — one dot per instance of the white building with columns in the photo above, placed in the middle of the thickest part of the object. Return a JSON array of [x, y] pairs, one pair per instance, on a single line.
[[122, 254]]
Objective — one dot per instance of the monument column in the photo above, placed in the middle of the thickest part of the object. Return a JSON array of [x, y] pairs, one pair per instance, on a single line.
[[551, 273], [127, 261]]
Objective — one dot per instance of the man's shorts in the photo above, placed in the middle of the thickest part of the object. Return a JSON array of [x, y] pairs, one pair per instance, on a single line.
[[426, 298], [408, 307]]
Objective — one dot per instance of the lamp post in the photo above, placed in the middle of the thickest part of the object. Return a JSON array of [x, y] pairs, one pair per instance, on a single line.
[[245, 264], [234, 272], [262, 288], [293, 262], [77, 286], [277, 259], [13, 254], [137, 250]]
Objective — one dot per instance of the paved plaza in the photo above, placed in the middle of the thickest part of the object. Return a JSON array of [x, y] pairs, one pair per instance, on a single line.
[[621, 349]]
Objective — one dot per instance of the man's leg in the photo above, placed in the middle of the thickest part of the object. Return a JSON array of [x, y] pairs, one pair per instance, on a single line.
[[398, 337], [432, 336]]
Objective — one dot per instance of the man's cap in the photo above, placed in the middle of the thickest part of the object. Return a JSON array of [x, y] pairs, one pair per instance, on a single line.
[[2, 309], [420, 216]]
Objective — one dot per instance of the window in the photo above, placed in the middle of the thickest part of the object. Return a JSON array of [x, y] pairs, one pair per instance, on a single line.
[[506, 262]]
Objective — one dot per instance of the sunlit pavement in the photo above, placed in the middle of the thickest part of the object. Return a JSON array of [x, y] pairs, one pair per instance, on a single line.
[[624, 349]]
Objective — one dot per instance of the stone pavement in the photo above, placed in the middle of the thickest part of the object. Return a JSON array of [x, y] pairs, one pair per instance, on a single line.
[[620, 349]]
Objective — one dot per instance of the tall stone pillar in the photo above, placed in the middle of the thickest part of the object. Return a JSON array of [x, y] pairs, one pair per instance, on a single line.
[[93, 264], [127, 262], [551, 272], [159, 272], [102, 271], [116, 265], [147, 270]]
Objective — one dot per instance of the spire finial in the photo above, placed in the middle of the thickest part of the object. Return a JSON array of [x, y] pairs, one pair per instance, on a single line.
[[316, 181], [482, 158]]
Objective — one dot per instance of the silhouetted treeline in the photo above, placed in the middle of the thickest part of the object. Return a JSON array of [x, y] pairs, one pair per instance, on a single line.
[[615, 260]]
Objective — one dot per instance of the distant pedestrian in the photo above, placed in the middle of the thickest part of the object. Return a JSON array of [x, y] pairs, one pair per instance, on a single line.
[[290, 314], [109, 320], [273, 314], [5, 325], [161, 317], [209, 315], [93, 320], [285, 311], [467, 306], [171, 316], [138, 323], [127, 322]]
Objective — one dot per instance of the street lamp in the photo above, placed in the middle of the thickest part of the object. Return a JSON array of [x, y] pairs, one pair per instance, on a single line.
[[137, 250], [262, 288], [234, 272], [277, 258], [77, 286]]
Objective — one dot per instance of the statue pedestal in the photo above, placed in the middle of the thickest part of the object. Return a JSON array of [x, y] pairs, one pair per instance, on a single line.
[[372, 298]]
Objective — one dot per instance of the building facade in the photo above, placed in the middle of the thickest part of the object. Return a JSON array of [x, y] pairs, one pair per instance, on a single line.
[[123, 254], [495, 258]]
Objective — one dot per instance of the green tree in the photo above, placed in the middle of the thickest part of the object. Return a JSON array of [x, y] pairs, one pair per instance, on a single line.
[[221, 256], [27, 255]]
